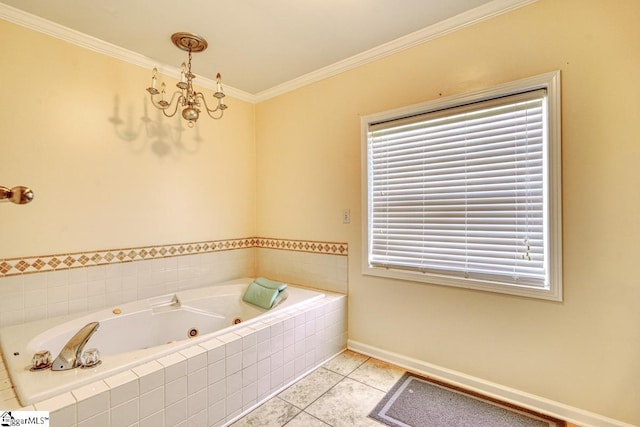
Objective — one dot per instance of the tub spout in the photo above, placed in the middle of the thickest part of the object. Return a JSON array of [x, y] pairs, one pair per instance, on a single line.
[[69, 356]]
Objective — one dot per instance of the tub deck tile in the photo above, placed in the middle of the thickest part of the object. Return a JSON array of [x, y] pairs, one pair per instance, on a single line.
[[62, 409], [212, 344], [175, 367], [150, 376], [10, 404], [92, 400], [123, 387], [229, 337], [185, 380], [196, 358]]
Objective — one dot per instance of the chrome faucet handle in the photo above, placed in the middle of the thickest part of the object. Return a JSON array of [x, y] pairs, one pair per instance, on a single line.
[[69, 356], [41, 360], [90, 358]]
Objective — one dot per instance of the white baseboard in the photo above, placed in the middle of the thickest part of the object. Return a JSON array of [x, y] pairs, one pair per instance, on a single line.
[[536, 403]]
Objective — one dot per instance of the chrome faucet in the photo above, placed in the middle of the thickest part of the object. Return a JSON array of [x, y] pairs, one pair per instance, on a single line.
[[69, 356]]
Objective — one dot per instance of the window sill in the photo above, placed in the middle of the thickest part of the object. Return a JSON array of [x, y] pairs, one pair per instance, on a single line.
[[550, 293]]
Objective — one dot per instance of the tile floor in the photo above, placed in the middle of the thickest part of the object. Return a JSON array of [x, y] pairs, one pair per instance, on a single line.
[[320, 398], [340, 393]]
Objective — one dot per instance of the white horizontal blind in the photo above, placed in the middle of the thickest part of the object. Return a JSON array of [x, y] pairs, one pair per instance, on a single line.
[[461, 191]]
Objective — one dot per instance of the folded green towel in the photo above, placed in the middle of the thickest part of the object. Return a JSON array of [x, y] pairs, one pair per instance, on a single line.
[[270, 284], [259, 295]]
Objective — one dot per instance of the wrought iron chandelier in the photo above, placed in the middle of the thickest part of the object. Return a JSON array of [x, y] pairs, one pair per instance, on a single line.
[[191, 102]]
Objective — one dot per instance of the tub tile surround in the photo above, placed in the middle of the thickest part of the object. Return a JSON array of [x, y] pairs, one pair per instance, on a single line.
[[212, 383], [329, 272], [139, 273], [36, 296], [43, 263], [241, 368]]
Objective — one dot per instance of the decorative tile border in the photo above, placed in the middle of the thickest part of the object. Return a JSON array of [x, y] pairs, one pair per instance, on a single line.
[[328, 248], [38, 264]]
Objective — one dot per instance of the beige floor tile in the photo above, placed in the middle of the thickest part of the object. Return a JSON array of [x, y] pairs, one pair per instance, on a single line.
[[346, 362], [311, 387], [328, 398], [274, 413], [347, 405], [305, 420], [378, 374]]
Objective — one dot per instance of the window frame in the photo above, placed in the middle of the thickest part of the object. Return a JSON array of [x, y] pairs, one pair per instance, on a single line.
[[553, 187]]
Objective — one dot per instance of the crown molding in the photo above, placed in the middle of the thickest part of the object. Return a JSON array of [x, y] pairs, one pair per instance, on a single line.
[[27, 20], [442, 28], [458, 22]]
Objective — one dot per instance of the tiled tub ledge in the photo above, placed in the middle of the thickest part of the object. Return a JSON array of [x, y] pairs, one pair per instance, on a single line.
[[211, 383]]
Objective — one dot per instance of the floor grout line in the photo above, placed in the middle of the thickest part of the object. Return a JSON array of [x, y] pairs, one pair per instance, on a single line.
[[314, 400], [369, 373], [341, 380]]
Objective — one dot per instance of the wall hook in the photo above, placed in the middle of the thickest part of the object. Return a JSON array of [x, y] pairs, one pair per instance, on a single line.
[[19, 195]]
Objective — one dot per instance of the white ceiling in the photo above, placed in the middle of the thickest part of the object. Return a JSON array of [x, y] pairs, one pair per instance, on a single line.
[[257, 45]]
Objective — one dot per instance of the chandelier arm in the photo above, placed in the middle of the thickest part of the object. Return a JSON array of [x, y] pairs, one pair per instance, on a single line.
[[199, 95], [175, 110], [166, 107]]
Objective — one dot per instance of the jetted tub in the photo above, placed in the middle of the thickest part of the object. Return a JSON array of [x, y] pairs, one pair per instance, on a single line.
[[134, 333]]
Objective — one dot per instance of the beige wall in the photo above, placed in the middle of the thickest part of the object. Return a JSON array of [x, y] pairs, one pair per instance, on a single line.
[[97, 188], [583, 352], [100, 186]]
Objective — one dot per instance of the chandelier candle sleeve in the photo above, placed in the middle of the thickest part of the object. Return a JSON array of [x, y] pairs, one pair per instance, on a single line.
[[154, 80], [191, 102]]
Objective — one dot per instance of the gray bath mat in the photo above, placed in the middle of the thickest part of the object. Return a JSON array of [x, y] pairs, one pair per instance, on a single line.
[[419, 402]]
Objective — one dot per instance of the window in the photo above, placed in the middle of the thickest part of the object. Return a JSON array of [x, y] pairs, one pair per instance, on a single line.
[[465, 191]]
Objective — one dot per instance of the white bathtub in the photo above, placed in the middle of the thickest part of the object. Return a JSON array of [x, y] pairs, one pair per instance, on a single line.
[[141, 331]]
